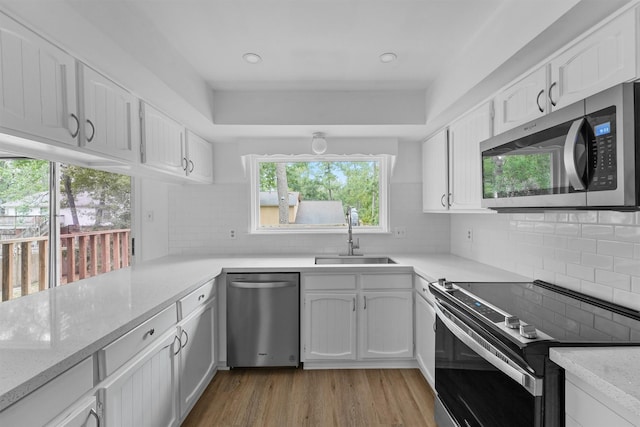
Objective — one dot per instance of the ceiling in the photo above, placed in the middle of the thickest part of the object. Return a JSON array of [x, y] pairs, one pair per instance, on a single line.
[[178, 54]]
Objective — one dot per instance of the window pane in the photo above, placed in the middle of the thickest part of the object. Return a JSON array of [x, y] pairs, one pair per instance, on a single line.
[[95, 222], [316, 194], [24, 226]]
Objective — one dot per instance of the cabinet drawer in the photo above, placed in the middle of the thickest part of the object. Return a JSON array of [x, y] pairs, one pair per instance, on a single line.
[[196, 298], [387, 281], [329, 281], [124, 348]]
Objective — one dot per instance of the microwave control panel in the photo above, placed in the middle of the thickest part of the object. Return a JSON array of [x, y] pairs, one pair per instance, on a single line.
[[603, 150]]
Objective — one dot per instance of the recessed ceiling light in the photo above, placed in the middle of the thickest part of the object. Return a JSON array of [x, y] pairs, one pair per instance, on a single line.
[[388, 57], [252, 58]]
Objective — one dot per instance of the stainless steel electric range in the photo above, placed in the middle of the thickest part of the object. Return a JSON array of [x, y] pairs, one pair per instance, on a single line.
[[492, 349]]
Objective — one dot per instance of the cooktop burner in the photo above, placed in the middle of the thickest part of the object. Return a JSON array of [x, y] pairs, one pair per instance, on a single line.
[[543, 311]]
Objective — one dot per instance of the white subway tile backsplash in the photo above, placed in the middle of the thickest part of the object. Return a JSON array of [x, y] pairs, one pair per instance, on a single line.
[[597, 261], [597, 231], [596, 252], [628, 234], [583, 217], [568, 229], [617, 249], [618, 218], [581, 244], [582, 272], [614, 280]]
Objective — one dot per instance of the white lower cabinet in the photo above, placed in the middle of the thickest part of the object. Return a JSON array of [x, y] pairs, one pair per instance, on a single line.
[[585, 406], [386, 329], [142, 392], [45, 404], [426, 339], [197, 356], [83, 413], [348, 317], [330, 326]]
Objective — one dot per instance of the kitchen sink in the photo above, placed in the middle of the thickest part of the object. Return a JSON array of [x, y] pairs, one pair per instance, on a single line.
[[353, 259]]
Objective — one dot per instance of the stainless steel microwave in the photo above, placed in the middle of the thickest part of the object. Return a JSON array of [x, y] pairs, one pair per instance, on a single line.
[[582, 156]]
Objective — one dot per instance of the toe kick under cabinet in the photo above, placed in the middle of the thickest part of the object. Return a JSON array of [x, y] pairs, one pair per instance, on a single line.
[[358, 317]]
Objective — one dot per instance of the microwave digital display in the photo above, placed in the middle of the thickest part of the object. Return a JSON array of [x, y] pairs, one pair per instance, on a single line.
[[602, 129]]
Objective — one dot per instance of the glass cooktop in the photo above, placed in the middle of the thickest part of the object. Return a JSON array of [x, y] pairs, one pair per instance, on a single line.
[[560, 313]]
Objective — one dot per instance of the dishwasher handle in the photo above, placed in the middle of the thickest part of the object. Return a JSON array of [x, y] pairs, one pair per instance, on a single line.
[[261, 285]]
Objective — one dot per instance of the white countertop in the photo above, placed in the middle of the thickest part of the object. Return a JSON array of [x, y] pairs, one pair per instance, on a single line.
[[614, 372], [44, 334]]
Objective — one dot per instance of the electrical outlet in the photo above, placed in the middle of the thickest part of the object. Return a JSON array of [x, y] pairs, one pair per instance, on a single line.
[[400, 232], [469, 234], [232, 234], [148, 216]]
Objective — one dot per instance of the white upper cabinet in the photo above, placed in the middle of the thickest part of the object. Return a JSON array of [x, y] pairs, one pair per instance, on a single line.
[[435, 173], [465, 135], [601, 60], [37, 86], [163, 142], [523, 101], [109, 117], [200, 158]]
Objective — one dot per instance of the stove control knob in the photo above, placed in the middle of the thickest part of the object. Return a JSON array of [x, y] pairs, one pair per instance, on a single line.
[[448, 286], [528, 331], [511, 322]]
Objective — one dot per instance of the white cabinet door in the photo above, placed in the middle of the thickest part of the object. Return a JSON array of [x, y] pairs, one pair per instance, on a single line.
[[81, 414], [426, 339], [197, 354], [386, 325], [522, 102], [200, 155], [601, 60], [37, 86], [330, 326], [435, 173], [142, 393], [465, 135], [110, 117], [163, 140]]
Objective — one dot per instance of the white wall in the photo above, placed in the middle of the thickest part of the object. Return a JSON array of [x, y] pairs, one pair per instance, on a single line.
[[200, 216], [595, 252], [152, 215]]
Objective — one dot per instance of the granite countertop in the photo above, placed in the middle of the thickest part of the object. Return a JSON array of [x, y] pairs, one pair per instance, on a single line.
[[44, 334], [612, 371]]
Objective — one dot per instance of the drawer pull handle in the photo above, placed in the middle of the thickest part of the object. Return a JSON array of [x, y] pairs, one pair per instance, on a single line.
[[149, 332], [179, 347], [93, 413], [200, 297], [186, 338]]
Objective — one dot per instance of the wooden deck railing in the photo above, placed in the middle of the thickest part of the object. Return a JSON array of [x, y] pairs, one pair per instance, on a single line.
[[82, 255]]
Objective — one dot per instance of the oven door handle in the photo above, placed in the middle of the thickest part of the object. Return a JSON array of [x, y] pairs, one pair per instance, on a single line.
[[488, 351]]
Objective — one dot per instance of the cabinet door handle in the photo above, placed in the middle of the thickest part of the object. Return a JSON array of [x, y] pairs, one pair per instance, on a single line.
[[442, 200], [365, 302], [192, 166], [538, 101], [354, 303], [74, 134], [94, 414], [185, 163], [179, 344], [186, 338], [93, 131], [449, 199], [550, 97]]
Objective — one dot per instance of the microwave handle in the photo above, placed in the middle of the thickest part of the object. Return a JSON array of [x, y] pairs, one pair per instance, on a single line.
[[573, 141]]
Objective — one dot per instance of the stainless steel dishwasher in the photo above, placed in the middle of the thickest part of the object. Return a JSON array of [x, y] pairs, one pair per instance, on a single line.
[[263, 319]]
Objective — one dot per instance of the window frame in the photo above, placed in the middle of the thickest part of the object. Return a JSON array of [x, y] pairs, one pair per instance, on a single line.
[[384, 162]]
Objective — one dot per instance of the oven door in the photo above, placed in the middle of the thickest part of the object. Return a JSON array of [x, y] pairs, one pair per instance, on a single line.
[[476, 384]]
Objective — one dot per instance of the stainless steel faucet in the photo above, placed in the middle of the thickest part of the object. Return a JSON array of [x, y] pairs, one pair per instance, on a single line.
[[351, 245]]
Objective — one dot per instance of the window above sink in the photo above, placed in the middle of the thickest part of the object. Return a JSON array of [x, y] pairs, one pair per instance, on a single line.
[[315, 192]]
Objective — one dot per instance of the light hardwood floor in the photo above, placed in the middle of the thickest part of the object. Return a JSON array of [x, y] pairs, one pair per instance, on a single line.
[[296, 397]]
